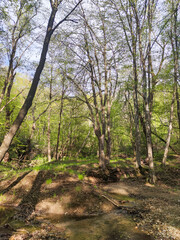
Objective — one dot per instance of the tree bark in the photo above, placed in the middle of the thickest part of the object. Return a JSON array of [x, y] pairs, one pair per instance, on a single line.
[[147, 86], [175, 93], [8, 95], [49, 119], [132, 45], [147, 97], [10, 73], [59, 124], [102, 157], [108, 142], [169, 129], [131, 125], [100, 121], [49, 135], [176, 57], [136, 110]]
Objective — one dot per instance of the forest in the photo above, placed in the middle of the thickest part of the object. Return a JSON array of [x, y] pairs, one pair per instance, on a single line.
[[89, 119]]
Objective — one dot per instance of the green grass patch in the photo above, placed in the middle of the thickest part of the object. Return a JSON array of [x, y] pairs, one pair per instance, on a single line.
[[81, 176], [122, 162], [5, 167], [70, 171], [49, 181]]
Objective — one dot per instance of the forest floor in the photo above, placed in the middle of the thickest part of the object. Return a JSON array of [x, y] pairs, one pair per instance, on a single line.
[[79, 201]]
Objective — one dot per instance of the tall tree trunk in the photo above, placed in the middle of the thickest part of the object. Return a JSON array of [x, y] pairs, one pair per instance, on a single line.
[[28, 102], [102, 157], [175, 49], [149, 142], [148, 124], [135, 33], [108, 142], [49, 120], [99, 124], [10, 77], [10, 73], [169, 129], [178, 108], [33, 128], [58, 135], [147, 97], [146, 87], [131, 124], [49, 135], [8, 95], [136, 110], [59, 124], [3, 90], [175, 59]]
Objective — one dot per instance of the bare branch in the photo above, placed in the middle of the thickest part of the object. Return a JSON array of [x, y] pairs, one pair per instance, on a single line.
[[11, 100], [65, 19]]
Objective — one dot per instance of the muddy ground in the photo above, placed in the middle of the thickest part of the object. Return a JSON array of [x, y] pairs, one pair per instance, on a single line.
[[47, 204]]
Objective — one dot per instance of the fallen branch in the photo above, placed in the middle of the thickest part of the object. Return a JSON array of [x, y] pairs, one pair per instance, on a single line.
[[113, 201]]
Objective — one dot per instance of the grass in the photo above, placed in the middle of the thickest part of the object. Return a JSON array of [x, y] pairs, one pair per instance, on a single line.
[[81, 176], [6, 171], [122, 162], [62, 166], [6, 167], [49, 181]]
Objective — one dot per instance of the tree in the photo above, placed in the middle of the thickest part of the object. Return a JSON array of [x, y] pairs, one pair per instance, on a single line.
[[131, 36], [15, 30], [137, 19], [98, 79], [174, 45], [28, 102], [60, 119]]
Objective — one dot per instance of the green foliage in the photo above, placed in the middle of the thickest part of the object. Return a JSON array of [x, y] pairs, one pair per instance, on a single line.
[[81, 176], [48, 181], [71, 171], [38, 161], [4, 168], [30, 144]]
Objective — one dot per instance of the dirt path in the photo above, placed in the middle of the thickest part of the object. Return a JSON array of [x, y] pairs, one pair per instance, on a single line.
[[54, 205], [158, 206]]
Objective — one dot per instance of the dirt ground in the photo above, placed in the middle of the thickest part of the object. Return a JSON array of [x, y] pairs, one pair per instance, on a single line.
[[38, 195]]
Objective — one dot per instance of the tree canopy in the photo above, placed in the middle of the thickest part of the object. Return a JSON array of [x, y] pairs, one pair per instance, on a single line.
[[90, 78]]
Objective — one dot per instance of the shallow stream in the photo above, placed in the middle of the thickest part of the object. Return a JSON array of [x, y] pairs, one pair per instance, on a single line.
[[115, 225]]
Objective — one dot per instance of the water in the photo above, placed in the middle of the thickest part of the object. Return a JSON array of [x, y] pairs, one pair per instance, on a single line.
[[111, 226]]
